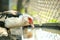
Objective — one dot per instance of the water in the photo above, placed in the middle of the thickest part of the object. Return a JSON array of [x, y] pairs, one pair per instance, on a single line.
[[44, 34], [38, 34]]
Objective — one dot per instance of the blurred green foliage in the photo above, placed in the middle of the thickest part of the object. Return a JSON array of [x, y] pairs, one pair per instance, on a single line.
[[14, 7], [53, 21]]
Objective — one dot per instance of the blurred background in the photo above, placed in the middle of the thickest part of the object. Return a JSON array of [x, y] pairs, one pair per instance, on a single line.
[[43, 11]]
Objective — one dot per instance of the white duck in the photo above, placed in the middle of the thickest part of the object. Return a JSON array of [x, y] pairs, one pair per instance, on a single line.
[[22, 20]]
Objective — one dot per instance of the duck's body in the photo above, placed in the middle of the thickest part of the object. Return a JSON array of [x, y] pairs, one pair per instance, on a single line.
[[17, 20], [20, 21]]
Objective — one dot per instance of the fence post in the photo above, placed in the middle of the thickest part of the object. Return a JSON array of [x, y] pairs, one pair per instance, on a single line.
[[19, 5]]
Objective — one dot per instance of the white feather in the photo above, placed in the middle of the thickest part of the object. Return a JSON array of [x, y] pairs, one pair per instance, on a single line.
[[17, 22], [13, 22], [3, 32]]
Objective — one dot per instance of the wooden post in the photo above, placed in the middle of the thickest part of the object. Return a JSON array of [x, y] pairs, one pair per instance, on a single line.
[[19, 5]]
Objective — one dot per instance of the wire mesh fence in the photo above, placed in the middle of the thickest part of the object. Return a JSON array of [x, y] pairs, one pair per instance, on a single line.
[[45, 11]]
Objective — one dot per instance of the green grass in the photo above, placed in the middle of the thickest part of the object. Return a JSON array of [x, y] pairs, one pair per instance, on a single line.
[[14, 7], [53, 21]]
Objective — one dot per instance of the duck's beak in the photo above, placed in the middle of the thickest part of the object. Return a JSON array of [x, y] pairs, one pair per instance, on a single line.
[[32, 26]]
